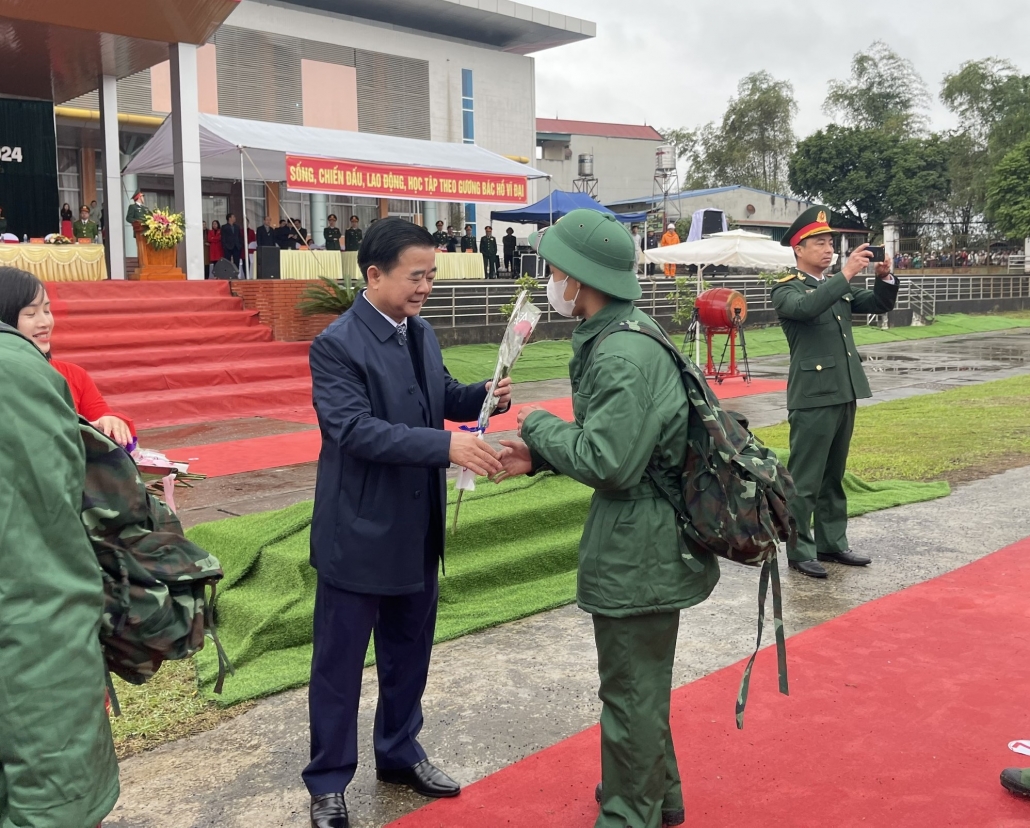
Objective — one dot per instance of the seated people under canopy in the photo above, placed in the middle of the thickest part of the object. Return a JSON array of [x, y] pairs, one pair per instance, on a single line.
[[24, 305]]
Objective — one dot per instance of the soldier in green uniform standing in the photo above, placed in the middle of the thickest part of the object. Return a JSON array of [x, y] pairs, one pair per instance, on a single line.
[[352, 238], [84, 227], [825, 380], [137, 210], [488, 247], [630, 409], [331, 234], [440, 236]]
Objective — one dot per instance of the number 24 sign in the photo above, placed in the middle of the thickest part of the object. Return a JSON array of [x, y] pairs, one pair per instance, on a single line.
[[10, 154]]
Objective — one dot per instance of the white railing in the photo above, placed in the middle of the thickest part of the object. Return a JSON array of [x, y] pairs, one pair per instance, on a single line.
[[455, 304]]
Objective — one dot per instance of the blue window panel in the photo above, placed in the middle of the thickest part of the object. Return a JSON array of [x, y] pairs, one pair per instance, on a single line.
[[467, 105], [466, 83], [470, 216], [468, 126]]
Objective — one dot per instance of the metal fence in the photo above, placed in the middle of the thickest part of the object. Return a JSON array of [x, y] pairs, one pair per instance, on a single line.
[[458, 304]]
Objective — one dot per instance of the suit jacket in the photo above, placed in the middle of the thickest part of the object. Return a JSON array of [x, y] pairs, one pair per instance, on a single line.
[[384, 451], [266, 236], [825, 368], [232, 239]]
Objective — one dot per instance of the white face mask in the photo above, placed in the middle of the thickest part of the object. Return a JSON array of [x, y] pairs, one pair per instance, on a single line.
[[556, 297]]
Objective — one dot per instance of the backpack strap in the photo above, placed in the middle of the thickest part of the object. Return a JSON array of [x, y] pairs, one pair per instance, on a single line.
[[770, 567]]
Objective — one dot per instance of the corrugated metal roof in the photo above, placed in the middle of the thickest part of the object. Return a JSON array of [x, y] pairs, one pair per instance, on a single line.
[[596, 128]]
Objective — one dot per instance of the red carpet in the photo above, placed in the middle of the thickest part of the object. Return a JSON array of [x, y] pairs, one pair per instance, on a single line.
[[239, 456], [170, 353], [899, 715]]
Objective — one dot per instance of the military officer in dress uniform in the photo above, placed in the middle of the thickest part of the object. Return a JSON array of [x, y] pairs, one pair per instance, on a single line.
[[137, 210], [84, 228], [825, 380], [440, 236], [468, 241], [488, 247], [331, 233], [352, 238]]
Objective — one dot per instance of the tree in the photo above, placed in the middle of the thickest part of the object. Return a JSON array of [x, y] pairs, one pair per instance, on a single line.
[[1008, 193], [871, 174], [992, 103], [884, 92], [751, 145]]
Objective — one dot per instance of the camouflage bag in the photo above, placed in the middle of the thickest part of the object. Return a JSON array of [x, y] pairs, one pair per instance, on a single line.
[[733, 500], [156, 582]]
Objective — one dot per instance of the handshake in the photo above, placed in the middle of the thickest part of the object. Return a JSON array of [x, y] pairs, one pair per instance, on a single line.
[[475, 454]]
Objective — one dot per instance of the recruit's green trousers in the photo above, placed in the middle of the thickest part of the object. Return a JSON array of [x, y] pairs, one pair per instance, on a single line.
[[638, 763], [819, 443]]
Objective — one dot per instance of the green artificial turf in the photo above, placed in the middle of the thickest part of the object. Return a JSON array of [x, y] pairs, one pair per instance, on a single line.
[[550, 360], [514, 555]]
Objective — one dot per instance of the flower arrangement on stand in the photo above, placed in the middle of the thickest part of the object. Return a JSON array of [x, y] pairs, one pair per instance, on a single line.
[[163, 230], [57, 238]]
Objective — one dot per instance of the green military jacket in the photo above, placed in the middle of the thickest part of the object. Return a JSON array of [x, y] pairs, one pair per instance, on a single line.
[[815, 315], [352, 238], [630, 407], [440, 237], [488, 245], [57, 761], [136, 212], [332, 238], [84, 229]]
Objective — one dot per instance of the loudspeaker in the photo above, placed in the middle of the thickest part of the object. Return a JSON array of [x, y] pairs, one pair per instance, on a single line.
[[711, 222], [224, 269], [526, 263], [268, 263]]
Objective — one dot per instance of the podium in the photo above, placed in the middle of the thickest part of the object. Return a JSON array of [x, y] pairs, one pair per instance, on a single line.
[[154, 265]]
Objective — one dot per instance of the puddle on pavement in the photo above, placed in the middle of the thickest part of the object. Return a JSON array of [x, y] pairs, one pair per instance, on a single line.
[[950, 357]]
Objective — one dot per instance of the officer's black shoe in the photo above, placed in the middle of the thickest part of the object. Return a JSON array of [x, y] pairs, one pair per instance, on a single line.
[[1016, 780], [424, 778], [813, 569], [329, 811], [847, 557], [669, 818]]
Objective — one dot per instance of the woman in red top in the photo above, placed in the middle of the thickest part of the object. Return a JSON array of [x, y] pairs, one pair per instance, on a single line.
[[25, 305], [214, 240]]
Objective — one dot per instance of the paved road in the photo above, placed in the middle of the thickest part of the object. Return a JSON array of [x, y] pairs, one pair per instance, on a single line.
[[895, 371]]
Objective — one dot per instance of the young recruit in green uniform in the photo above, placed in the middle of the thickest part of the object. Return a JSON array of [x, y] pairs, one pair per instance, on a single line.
[[825, 380], [630, 409]]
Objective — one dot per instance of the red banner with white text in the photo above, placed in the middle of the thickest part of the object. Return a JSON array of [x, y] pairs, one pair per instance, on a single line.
[[323, 175]]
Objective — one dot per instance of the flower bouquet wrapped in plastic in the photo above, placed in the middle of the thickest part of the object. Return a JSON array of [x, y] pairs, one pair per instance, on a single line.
[[520, 328]]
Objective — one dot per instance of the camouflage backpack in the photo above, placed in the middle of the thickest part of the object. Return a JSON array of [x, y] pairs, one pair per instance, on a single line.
[[156, 606], [733, 501]]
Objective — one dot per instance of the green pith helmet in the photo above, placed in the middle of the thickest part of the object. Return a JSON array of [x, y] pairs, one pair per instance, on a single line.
[[592, 248], [813, 222]]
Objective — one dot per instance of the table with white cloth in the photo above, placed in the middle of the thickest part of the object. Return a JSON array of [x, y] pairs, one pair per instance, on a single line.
[[57, 262], [310, 264]]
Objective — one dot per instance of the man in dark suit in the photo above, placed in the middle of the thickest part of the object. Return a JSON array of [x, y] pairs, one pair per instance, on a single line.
[[381, 393], [232, 241], [266, 234]]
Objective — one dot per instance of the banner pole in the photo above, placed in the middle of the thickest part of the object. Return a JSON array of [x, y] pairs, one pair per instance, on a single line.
[[246, 242]]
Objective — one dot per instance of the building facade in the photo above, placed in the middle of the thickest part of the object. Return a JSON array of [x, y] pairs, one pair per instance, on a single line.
[[745, 207], [438, 70], [623, 156]]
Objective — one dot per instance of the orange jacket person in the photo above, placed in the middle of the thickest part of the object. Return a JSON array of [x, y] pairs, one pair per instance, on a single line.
[[670, 237]]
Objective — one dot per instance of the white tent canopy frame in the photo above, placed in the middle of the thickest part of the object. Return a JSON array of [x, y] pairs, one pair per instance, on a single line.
[[222, 139], [225, 141], [734, 248]]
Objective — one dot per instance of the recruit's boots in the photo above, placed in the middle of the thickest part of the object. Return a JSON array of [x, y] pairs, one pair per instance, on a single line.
[[1016, 780], [669, 818]]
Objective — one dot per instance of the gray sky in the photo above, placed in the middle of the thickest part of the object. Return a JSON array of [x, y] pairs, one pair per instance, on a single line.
[[673, 63]]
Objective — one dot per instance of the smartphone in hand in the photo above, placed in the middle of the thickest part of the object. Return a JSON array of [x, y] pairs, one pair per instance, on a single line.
[[879, 253]]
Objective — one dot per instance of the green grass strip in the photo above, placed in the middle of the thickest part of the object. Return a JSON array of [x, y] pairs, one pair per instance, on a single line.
[[550, 360], [514, 555]]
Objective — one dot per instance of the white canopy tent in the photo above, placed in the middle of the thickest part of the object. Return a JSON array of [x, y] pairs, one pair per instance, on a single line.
[[238, 149], [734, 248], [223, 141]]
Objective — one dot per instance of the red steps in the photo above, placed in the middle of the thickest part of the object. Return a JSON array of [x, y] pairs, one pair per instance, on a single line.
[[169, 353]]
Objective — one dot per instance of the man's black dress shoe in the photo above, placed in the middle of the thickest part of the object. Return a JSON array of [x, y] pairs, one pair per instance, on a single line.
[[329, 811], [813, 569], [423, 778], [669, 818], [847, 557]]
